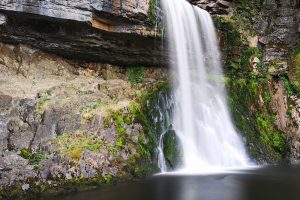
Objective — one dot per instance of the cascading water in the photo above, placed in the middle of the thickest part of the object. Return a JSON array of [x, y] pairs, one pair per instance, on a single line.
[[201, 118]]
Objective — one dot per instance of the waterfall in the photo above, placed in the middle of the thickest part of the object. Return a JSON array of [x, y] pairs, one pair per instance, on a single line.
[[201, 118]]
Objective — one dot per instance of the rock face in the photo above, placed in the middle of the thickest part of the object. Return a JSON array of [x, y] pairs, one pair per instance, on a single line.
[[47, 102], [80, 10], [115, 31]]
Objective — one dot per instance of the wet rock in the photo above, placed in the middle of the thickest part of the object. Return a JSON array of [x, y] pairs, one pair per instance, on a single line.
[[2, 20], [171, 149]]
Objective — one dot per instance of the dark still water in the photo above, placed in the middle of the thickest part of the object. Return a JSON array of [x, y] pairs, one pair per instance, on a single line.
[[276, 183]]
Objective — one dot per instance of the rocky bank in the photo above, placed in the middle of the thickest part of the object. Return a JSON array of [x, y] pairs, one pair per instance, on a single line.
[[64, 121]]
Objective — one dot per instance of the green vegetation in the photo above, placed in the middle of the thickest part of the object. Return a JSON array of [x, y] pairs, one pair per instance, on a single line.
[[253, 117], [245, 14], [269, 135], [267, 97], [151, 19], [135, 75], [34, 158], [291, 87], [72, 145]]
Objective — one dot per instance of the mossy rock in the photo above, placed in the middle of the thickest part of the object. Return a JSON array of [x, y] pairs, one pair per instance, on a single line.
[[255, 122], [172, 150]]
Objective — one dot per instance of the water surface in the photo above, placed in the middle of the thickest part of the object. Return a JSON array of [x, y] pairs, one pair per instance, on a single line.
[[271, 183]]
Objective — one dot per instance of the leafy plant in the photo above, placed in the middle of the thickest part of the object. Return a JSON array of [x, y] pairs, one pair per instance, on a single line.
[[267, 97], [290, 87]]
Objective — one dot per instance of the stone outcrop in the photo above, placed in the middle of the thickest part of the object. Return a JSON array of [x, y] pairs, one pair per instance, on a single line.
[[118, 32], [279, 36]]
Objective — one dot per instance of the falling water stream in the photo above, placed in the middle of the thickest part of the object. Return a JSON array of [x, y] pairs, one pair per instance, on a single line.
[[201, 118]]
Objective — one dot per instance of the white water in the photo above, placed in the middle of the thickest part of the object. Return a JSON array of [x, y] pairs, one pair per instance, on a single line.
[[201, 118]]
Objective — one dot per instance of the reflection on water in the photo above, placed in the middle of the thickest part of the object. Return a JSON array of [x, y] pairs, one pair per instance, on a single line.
[[276, 183]]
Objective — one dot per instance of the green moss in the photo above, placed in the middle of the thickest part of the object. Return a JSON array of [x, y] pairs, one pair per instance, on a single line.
[[34, 158], [120, 143], [151, 19], [137, 113], [25, 153], [171, 151]]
